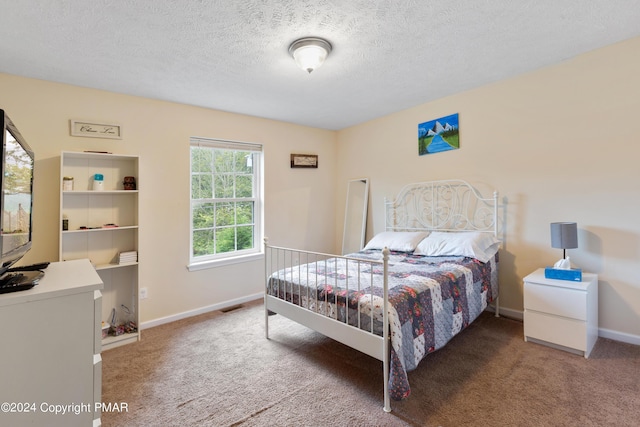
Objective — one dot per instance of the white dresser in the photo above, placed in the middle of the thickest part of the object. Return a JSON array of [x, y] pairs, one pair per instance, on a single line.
[[561, 312], [50, 339]]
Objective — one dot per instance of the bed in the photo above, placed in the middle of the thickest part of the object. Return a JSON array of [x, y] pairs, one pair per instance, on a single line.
[[409, 291]]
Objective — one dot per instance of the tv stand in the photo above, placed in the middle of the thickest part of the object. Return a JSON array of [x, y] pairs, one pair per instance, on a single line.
[[51, 343]]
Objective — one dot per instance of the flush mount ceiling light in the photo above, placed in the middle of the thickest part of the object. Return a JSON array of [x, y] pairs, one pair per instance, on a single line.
[[310, 52]]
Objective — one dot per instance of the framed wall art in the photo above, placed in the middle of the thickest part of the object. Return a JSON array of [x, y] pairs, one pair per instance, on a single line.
[[304, 161], [95, 130], [439, 135]]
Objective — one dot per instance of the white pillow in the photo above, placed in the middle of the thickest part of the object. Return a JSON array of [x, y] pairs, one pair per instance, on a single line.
[[400, 241], [472, 244]]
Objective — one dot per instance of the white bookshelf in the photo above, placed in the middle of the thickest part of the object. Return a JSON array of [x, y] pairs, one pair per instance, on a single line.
[[101, 224]]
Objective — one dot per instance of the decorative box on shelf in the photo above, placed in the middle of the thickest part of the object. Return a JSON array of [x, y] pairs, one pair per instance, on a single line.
[[572, 274]]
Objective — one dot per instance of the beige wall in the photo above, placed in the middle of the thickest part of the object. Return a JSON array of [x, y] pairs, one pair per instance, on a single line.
[[159, 132], [559, 144]]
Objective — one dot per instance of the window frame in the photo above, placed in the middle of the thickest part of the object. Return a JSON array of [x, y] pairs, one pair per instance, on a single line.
[[236, 256]]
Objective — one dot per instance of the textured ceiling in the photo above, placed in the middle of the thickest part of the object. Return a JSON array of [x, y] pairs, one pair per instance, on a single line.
[[232, 54]]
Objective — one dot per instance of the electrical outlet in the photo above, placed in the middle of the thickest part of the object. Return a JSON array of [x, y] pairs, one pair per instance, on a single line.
[[143, 293]]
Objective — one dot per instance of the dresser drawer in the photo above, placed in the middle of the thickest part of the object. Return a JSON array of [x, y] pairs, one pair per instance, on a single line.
[[565, 302], [562, 331]]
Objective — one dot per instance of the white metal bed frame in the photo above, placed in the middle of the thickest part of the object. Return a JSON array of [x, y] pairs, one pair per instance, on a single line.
[[451, 205]]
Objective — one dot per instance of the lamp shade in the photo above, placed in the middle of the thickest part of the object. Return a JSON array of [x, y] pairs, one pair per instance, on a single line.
[[564, 235]]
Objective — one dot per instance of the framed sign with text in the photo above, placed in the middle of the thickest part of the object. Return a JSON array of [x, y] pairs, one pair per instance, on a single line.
[[95, 130]]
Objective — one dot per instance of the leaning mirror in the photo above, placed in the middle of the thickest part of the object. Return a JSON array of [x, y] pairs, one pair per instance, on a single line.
[[355, 215]]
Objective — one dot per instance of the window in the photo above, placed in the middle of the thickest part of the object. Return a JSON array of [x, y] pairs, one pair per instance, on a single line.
[[226, 204]]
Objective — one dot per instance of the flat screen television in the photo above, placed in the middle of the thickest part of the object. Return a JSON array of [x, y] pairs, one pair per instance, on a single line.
[[16, 200]]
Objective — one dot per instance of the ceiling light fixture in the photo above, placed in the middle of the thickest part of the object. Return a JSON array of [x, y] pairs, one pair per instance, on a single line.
[[310, 52]]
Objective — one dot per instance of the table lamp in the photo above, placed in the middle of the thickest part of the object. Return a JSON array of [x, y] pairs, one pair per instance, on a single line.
[[564, 235]]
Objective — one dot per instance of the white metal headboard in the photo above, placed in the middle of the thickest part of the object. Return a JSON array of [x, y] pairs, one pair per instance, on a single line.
[[451, 205]]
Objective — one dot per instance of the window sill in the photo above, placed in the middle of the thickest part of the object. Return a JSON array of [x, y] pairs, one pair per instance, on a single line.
[[196, 266]]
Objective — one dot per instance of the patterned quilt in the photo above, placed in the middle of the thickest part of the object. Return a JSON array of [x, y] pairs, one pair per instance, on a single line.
[[431, 300]]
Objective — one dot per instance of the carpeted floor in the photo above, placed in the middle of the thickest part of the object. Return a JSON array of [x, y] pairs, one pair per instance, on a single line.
[[218, 369]]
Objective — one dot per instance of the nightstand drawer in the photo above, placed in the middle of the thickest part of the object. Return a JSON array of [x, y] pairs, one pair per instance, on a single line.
[[570, 303], [561, 331]]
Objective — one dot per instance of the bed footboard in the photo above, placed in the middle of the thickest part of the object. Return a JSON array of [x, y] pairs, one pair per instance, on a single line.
[[313, 289]]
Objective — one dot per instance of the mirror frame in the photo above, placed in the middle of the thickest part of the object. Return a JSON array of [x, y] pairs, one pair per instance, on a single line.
[[355, 215]]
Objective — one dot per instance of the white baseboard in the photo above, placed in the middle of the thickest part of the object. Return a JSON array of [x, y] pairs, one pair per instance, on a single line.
[[619, 336], [506, 312], [602, 332], [202, 310], [511, 314]]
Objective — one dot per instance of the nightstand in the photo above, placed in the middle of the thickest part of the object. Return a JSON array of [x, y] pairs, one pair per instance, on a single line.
[[561, 313]]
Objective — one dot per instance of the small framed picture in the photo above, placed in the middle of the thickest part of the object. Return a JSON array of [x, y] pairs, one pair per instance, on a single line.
[[95, 130], [436, 136], [304, 160]]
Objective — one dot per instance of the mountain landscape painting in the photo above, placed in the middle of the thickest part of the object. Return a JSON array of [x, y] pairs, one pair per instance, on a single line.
[[439, 135]]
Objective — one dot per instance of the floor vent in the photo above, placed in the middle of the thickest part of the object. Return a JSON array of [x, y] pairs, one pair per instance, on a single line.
[[233, 307]]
